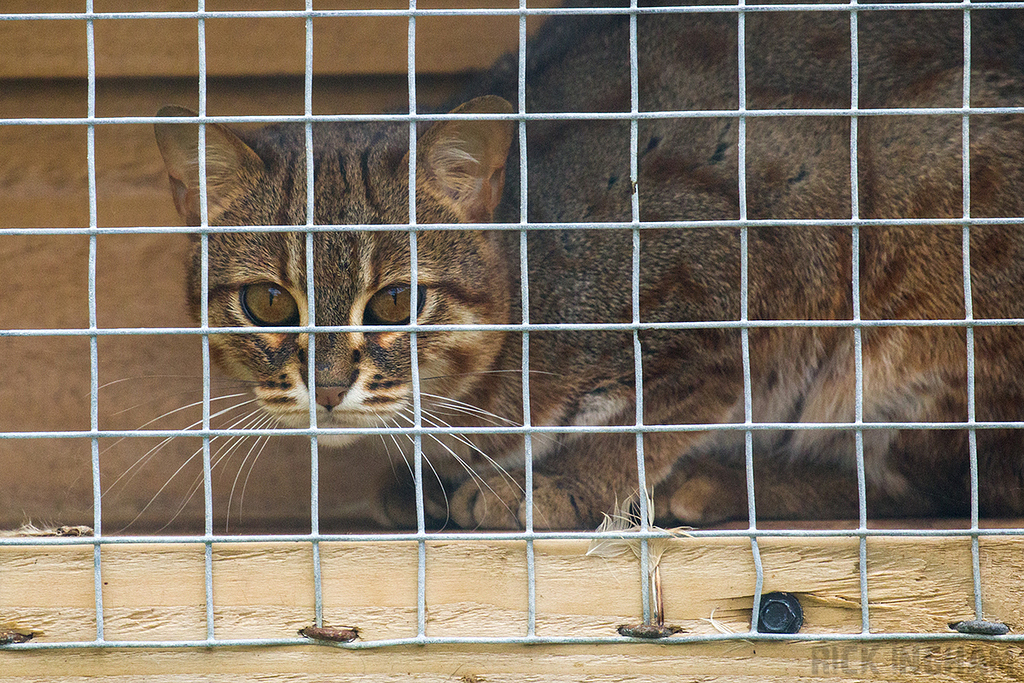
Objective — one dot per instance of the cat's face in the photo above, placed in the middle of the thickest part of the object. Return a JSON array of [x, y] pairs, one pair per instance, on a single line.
[[362, 277]]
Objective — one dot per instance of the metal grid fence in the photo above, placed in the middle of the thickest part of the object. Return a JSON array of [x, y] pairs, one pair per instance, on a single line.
[[88, 19]]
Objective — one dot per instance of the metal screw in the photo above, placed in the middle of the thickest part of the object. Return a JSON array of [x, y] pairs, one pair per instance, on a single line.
[[779, 613]]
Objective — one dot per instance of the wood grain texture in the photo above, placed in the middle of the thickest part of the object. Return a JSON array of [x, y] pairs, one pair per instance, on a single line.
[[729, 663], [478, 588]]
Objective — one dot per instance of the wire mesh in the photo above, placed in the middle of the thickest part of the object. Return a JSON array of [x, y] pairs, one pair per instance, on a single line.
[[528, 430]]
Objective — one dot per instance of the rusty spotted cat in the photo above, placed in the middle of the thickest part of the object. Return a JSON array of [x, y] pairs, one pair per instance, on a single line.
[[907, 166]]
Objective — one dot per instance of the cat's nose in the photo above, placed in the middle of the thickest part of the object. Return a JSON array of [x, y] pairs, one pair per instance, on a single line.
[[330, 396]]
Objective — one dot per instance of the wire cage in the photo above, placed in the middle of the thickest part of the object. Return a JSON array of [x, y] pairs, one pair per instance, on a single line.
[[879, 599]]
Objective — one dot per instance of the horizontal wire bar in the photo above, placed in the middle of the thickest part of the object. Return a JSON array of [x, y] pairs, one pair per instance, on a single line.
[[514, 327], [200, 541], [527, 640], [530, 116], [533, 429], [602, 225], [497, 11]]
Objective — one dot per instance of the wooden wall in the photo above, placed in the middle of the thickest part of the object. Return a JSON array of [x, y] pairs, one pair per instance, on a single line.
[[254, 66]]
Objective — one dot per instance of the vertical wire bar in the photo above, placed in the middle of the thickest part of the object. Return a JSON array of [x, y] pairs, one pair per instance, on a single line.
[[94, 372], [421, 569], [634, 108], [972, 437], [858, 349], [314, 451], [524, 294], [748, 436], [204, 222]]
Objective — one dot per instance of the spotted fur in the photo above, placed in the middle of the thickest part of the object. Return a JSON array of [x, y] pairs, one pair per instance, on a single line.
[[796, 168]]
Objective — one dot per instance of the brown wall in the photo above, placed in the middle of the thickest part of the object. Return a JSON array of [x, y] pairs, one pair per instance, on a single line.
[[255, 67]]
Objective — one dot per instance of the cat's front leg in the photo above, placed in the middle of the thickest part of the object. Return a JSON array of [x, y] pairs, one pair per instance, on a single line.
[[494, 502], [572, 489], [703, 491], [499, 502], [396, 500]]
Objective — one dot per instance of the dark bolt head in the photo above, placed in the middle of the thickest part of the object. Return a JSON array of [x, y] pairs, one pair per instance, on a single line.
[[779, 613]]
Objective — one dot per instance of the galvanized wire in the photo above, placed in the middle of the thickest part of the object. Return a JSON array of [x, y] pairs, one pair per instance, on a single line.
[[94, 372], [417, 431], [537, 11]]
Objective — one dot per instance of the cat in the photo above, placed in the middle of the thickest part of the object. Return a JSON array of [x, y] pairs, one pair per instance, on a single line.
[[797, 167]]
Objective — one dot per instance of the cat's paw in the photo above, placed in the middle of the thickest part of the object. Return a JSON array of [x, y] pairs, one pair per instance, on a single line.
[[702, 500], [489, 503], [499, 502], [397, 504]]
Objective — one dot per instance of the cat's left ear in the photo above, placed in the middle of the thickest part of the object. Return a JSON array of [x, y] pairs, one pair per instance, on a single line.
[[465, 160]]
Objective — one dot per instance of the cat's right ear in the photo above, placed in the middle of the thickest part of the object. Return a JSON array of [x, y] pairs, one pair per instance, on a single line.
[[464, 160], [228, 161]]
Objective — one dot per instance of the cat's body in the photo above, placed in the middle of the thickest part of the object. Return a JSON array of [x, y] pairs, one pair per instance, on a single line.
[[796, 168]]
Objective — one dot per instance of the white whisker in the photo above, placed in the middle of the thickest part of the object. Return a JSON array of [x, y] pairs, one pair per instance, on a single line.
[[133, 471], [161, 489], [437, 475], [178, 409], [457, 407], [260, 442], [438, 422], [468, 409], [224, 451], [474, 476], [252, 467], [191, 426], [401, 451]]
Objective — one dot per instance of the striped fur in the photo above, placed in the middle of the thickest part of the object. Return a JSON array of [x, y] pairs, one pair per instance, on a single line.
[[796, 167]]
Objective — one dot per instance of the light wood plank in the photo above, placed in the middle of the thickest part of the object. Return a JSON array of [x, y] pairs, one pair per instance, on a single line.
[[729, 663], [479, 588]]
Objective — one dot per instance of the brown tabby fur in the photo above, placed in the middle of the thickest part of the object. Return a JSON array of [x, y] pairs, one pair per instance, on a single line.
[[796, 167]]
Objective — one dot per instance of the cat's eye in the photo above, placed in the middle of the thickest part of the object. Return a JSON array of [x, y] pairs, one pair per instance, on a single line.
[[390, 306], [268, 304]]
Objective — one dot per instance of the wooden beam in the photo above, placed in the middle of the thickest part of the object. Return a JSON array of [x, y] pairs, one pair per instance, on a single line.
[[723, 663], [478, 588]]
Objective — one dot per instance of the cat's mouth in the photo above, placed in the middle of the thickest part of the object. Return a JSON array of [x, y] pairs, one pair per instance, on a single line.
[[349, 418], [337, 418]]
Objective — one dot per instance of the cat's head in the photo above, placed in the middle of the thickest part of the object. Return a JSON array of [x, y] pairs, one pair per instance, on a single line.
[[258, 279]]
